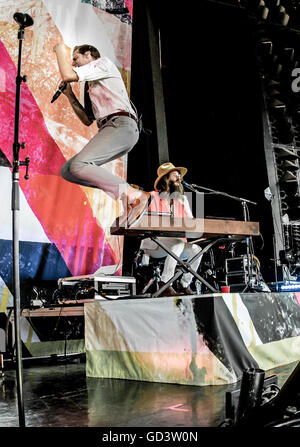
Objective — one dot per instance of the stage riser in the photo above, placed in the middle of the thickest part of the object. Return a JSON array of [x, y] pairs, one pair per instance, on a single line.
[[199, 340]]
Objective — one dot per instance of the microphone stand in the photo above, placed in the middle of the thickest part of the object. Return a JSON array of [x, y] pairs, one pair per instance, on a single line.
[[23, 20], [195, 188]]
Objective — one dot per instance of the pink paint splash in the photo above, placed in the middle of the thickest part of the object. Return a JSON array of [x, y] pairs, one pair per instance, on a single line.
[[129, 5], [61, 207]]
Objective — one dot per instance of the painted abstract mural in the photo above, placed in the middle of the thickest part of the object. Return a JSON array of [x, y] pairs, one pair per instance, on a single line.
[[64, 228]]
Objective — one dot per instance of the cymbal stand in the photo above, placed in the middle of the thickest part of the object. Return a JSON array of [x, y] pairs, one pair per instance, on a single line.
[[23, 21]]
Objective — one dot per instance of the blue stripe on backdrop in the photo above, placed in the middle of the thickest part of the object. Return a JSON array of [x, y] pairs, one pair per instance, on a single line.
[[38, 261]]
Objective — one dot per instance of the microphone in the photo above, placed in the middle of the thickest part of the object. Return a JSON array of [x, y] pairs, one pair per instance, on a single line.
[[23, 20], [59, 92], [187, 185]]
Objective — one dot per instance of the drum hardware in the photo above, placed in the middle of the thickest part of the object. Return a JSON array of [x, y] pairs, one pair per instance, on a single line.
[[241, 271]]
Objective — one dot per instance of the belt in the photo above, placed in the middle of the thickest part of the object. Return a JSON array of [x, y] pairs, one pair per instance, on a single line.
[[108, 117]]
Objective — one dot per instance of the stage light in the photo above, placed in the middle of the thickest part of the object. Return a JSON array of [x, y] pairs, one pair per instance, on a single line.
[[265, 47], [283, 153], [287, 176], [290, 287], [288, 56], [277, 106], [288, 165]]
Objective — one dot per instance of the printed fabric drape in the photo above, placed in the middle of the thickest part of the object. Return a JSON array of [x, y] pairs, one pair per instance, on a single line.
[[64, 228]]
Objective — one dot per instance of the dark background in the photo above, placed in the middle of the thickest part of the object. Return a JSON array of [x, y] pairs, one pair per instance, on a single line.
[[213, 110]]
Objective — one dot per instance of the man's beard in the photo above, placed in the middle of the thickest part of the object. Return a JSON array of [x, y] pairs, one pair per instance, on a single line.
[[175, 189]]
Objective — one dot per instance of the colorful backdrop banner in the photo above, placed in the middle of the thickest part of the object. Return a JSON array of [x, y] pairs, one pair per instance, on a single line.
[[199, 340], [64, 228]]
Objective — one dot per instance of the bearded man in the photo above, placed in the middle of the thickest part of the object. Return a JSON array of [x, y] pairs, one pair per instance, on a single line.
[[168, 197]]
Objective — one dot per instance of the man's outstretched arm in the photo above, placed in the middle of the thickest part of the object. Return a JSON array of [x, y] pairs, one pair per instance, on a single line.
[[69, 75]]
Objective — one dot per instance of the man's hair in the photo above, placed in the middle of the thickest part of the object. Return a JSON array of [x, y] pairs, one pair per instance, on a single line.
[[83, 48]]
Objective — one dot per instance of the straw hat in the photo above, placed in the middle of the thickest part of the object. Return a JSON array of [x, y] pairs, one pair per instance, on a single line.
[[165, 168]]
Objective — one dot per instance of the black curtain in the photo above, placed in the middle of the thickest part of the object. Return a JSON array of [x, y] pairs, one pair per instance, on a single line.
[[213, 108]]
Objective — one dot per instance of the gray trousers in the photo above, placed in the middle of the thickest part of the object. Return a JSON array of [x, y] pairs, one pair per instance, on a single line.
[[114, 139]]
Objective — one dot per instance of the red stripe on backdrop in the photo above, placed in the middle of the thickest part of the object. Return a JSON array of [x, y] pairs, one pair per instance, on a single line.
[[45, 156], [69, 222], [61, 207]]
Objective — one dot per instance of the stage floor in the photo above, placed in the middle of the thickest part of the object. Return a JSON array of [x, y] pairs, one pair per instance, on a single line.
[[60, 395]]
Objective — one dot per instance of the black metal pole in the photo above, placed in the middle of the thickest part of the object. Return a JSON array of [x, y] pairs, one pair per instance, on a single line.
[[23, 20], [16, 257]]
